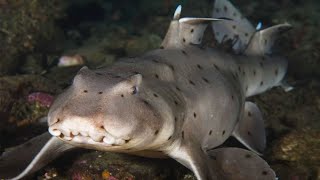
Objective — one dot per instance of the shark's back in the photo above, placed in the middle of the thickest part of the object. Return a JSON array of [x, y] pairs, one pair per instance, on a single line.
[[180, 99]]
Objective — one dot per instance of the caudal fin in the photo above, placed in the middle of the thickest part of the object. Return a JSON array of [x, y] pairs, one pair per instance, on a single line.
[[25, 159]]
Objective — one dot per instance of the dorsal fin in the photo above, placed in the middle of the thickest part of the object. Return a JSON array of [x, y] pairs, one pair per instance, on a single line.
[[185, 31], [262, 41], [239, 30]]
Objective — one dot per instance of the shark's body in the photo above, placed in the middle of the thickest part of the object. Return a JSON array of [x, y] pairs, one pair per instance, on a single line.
[[180, 100]]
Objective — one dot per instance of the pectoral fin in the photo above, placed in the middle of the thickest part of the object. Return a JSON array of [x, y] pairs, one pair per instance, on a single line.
[[194, 158], [22, 160], [240, 164], [250, 129], [223, 163]]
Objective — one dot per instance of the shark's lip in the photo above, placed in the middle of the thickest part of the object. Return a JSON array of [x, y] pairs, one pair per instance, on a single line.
[[105, 139]]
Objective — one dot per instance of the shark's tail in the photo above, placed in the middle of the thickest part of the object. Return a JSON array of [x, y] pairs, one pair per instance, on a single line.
[[248, 40]]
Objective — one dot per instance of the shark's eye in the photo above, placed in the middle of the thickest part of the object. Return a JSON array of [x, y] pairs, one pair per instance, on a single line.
[[134, 90]]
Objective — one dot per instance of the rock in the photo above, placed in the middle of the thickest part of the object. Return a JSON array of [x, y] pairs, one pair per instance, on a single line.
[[94, 54], [285, 111], [104, 165], [302, 147], [33, 64], [26, 26], [14, 106], [138, 45], [70, 60], [9, 63], [299, 152]]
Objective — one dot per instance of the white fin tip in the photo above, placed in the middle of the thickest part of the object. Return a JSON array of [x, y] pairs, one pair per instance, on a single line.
[[177, 13], [259, 26], [286, 87]]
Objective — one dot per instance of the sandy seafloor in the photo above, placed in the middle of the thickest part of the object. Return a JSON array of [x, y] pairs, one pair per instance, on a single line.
[[34, 34]]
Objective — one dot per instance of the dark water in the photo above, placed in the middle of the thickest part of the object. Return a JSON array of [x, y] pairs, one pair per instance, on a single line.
[[35, 34]]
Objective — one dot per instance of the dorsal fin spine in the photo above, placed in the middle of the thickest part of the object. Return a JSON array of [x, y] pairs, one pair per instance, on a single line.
[[185, 31], [177, 13]]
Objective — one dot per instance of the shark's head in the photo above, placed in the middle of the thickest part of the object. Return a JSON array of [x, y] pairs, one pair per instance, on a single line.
[[103, 111]]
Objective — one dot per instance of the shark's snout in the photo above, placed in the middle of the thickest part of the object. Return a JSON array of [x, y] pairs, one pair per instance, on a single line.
[[83, 131]]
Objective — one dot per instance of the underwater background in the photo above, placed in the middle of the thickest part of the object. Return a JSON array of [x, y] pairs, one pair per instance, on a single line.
[[43, 43]]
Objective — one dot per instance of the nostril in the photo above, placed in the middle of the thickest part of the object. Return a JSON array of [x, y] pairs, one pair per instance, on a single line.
[[54, 122]]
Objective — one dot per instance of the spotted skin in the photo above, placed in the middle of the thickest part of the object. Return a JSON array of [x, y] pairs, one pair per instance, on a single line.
[[239, 30], [180, 100]]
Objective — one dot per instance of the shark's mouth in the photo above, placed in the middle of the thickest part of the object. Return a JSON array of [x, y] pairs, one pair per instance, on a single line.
[[83, 137]]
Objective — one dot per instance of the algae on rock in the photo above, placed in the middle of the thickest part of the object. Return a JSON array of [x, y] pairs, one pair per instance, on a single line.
[[26, 26]]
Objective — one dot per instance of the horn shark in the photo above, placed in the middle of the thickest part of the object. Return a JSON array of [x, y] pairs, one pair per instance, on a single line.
[[181, 101]]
